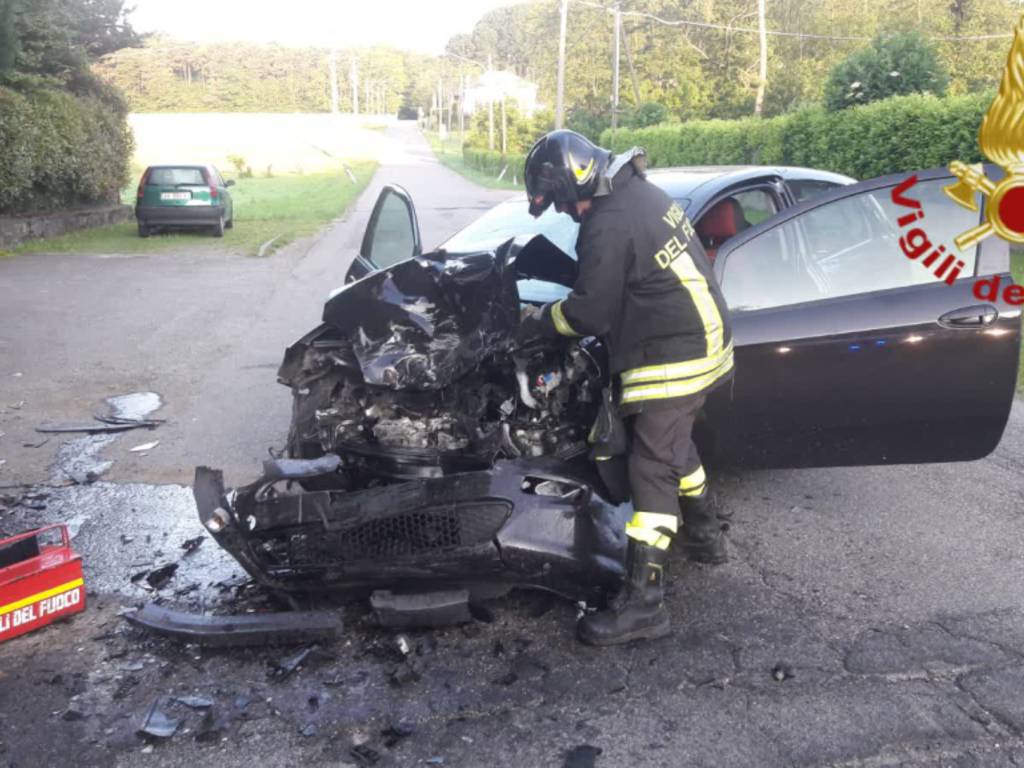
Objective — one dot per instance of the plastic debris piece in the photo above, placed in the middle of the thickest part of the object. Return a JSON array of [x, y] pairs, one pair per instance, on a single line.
[[158, 723], [191, 545], [158, 577], [145, 447], [365, 755], [582, 756], [397, 731], [194, 702], [289, 664]]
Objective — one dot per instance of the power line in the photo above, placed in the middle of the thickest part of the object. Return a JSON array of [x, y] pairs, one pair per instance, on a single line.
[[775, 33]]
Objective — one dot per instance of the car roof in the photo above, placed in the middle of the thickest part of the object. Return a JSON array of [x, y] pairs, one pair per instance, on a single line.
[[699, 183]]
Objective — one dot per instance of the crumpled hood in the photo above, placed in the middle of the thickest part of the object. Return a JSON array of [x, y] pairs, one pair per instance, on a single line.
[[426, 322]]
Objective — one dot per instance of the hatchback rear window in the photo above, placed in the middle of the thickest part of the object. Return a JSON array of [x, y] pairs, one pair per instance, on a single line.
[[172, 177]]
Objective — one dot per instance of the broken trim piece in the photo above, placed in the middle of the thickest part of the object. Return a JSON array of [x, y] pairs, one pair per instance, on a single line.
[[249, 630]]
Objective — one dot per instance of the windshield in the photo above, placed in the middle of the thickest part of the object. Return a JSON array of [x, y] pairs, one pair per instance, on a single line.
[[512, 219]]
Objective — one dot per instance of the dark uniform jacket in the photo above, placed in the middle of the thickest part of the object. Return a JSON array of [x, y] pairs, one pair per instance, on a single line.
[[646, 286]]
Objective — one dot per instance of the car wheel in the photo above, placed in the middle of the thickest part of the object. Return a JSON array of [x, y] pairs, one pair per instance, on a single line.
[[143, 230], [218, 228], [230, 224]]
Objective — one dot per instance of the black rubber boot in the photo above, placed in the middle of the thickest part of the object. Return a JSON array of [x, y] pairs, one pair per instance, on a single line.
[[637, 612], [702, 537]]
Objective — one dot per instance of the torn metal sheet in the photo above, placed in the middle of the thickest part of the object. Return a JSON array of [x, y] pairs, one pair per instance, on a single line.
[[248, 630]]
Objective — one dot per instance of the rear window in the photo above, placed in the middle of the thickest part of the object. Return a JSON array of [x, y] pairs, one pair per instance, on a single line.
[[172, 177]]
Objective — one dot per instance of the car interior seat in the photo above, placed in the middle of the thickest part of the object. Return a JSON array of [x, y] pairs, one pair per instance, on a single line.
[[724, 220]]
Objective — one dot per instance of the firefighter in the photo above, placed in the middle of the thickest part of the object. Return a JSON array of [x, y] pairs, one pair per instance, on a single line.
[[645, 285]]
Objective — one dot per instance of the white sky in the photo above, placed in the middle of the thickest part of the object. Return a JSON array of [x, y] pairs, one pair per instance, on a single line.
[[422, 25]]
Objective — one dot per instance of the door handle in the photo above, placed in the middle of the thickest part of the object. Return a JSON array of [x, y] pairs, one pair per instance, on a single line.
[[977, 316]]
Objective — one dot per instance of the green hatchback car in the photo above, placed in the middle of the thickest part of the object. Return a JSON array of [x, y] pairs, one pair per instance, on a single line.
[[184, 196]]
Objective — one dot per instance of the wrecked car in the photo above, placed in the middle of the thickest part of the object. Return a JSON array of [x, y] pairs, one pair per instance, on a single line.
[[426, 452]]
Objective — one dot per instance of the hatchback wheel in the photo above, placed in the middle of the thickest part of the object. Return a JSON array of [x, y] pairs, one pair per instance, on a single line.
[[218, 228], [143, 230]]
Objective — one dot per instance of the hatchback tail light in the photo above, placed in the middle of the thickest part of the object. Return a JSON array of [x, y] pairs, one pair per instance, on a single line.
[[142, 184]]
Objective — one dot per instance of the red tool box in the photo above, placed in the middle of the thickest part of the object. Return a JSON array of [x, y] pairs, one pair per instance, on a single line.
[[40, 580]]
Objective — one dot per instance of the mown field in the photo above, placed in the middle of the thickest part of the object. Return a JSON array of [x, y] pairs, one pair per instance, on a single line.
[[289, 171], [281, 208]]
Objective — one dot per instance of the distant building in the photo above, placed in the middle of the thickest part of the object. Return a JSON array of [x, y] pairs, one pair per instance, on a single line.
[[493, 85]]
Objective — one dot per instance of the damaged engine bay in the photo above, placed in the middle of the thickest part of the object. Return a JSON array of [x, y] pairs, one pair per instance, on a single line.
[[426, 452]]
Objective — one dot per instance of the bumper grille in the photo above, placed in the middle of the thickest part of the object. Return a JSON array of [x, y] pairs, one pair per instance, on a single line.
[[424, 531]]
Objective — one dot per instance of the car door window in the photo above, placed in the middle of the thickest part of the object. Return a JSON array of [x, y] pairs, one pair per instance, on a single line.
[[756, 205], [805, 189], [843, 247], [392, 233]]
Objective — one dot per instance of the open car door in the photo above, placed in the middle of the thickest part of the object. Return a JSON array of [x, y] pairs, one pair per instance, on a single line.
[[392, 234], [849, 351]]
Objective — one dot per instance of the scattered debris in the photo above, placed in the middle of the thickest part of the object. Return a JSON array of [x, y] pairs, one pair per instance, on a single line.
[[782, 672], [397, 731], [191, 545], [209, 727], [158, 723], [36, 445], [159, 577], [289, 664], [582, 756], [409, 671], [92, 429], [309, 729], [72, 713], [364, 754], [145, 447], [247, 630], [194, 702]]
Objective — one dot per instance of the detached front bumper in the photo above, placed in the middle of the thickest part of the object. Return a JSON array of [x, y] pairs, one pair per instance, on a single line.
[[524, 523]]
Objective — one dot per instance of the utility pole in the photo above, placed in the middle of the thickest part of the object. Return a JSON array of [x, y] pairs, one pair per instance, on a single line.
[[504, 127], [490, 105], [615, 67], [332, 64], [560, 99], [763, 79], [354, 77], [632, 70]]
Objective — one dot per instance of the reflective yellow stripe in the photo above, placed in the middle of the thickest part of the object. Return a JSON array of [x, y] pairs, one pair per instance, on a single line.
[[561, 324], [681, 388], [654, 520], [693, 281], [40, 596], [644, 527], [654, 373], [651, 538], [693, 480]]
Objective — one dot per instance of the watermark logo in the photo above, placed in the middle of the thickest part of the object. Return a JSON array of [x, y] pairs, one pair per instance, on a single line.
[[1001, 138]]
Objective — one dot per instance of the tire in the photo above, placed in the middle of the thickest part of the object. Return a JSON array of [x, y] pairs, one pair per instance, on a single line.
[[230, 224], [218, 228], [143, 230]]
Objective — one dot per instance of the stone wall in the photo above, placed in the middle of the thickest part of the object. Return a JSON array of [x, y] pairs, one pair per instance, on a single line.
[[15, 230]]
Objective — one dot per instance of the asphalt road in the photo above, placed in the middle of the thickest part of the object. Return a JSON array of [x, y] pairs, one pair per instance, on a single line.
[[869, 617]]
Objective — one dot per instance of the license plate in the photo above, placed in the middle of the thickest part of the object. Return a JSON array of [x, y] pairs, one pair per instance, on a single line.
[[175, 195]]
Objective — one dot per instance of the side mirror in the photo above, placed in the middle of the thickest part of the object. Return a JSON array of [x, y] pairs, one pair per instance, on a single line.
[[229, 183]]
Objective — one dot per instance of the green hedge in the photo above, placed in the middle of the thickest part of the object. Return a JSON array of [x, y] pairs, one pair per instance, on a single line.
[[898, 134], [59, 150], [490, 161]]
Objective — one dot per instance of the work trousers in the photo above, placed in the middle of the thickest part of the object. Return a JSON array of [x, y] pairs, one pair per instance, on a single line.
[[663, 465]]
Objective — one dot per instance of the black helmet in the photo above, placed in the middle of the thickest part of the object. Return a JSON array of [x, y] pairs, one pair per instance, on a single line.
[[563, 167]]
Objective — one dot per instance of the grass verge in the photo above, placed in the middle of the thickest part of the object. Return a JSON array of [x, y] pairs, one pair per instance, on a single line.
[[449, 152], [281, 207], [1017, 268]]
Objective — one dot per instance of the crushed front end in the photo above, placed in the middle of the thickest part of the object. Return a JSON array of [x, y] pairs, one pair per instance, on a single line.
[[426, 451]]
